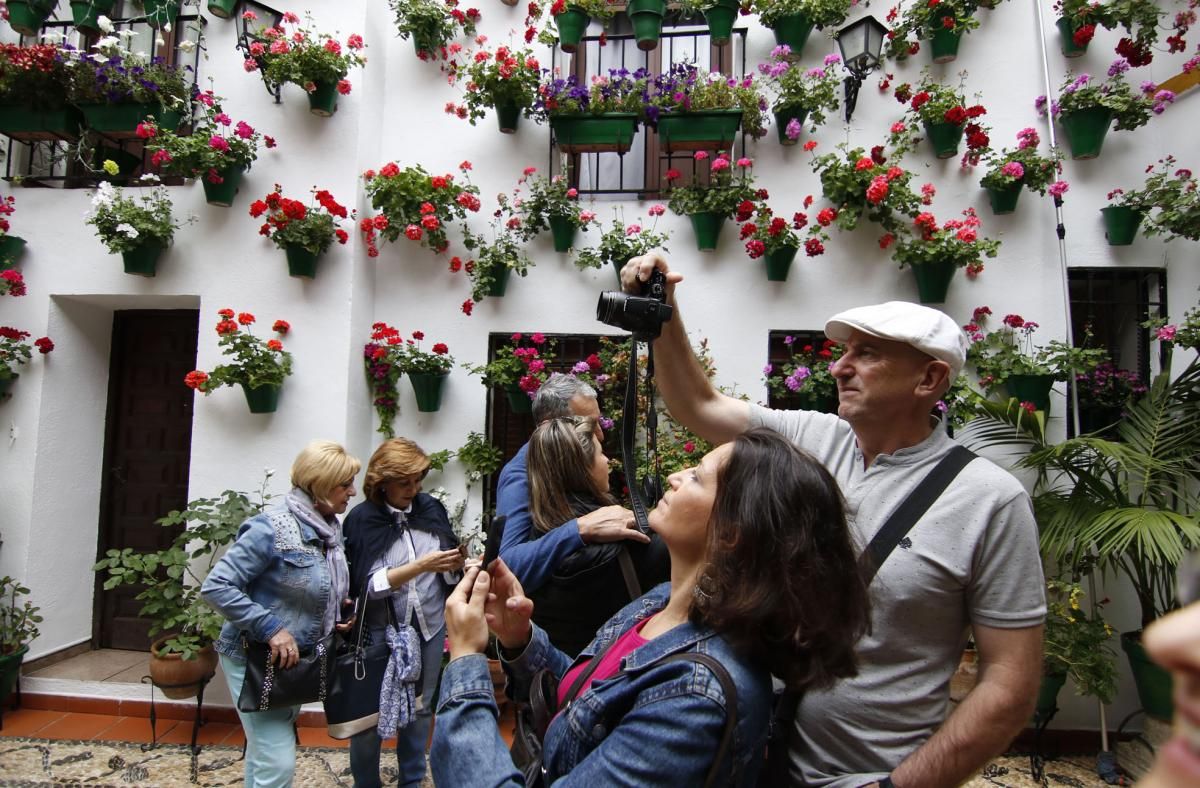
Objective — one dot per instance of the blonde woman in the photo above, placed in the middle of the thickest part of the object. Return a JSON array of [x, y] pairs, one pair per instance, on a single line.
[[282, 582]]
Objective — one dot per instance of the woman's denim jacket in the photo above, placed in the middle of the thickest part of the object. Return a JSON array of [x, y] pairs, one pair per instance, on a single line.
[[651, 724], [273, 577]]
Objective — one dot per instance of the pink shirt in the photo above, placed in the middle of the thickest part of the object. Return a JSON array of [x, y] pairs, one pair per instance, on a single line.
[[610, 662]]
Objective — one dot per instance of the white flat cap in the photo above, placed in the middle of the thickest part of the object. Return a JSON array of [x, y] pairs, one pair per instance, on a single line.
[[928, 330]]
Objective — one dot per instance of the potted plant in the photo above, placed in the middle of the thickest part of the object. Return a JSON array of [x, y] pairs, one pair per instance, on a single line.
[[1077, 21], [216, 154], [11, 246], [496, 258], [1140, 19], [432, 23], [858, 185], [803, 381], [413, 202], [711, 197], [944, 113], [1168, 205], [799, 95], [941, 23], [505, 80], [620, 242], [520, 369], [934, 253], [571, 19], [33, 93], [774, 238], [12, 283], [1076, 645], [693, 109], [18, 626], [553, 204], [27, 16], [793, 20], [137, 229], [313, 60], [1104, 393], [596, 117], [719, 15], [258, 367], [170, 579], [427, 371], [1010, 171], [1086, 109], [15, 351], [381, 362], [302, 232]]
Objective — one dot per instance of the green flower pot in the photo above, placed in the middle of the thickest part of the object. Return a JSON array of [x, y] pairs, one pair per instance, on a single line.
[[784, 116], [10, 670], [720, 18], [508, 114], [427, 387], [571, 24], [6, 384], [707, 226], [1066, 32], [779, 262], [1154, 685], [85, 13], [944, 137], [121, 120], [20, 121], [793, 30], [222, 194], [1047, 698], [161, 12], [323, 100], [11, 249], [262, 399], [692, 131], [27, 16], [222, 9], [518, 401], [143, 260], [500, 283], [301, 262], [607, 133], [933, 281], [1120, 224], [562, 230], [1004, 200], [1086, 129], [943, 45], [646, 16], [424, 43], [808, 400], [1031, 388]]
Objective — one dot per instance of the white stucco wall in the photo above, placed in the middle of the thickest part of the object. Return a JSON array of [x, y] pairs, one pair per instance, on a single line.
[[53, 426]]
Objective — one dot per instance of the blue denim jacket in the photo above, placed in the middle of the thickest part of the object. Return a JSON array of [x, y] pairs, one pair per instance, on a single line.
[[651, 724], [273, 577]]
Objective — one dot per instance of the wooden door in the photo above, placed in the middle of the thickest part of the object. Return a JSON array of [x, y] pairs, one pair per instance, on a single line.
[[146, 451]]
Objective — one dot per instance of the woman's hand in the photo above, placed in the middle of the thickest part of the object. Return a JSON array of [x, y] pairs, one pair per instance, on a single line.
[[508, 610], [346, 625], [284, 651], [442, 561], [466, 628]]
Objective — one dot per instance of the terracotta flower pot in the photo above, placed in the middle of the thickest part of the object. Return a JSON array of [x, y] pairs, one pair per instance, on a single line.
[[179, 678]]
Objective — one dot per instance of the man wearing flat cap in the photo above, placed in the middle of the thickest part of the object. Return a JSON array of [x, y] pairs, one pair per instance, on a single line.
[[970, 562]]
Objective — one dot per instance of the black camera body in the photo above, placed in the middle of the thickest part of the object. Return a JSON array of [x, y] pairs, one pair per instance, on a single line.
[[642, 315]]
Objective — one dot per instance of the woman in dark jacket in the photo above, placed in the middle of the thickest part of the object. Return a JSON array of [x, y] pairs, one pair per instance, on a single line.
[[402, 552], [568, 477]]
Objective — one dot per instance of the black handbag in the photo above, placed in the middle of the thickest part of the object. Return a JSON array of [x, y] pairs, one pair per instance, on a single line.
[[352, 703], [267, 687]]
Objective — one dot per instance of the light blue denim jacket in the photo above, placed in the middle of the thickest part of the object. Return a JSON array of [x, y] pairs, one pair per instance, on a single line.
[[274, 576], [651, 724]]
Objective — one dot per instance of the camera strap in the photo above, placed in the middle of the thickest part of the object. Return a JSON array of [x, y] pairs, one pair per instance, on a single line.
[[628, 433]]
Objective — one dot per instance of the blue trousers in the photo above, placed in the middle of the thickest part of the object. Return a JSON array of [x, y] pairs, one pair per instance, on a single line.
[[270, 735], [411, 739]]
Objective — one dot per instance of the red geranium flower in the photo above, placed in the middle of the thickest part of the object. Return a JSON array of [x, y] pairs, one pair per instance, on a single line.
[[245, 318], [281, 327]]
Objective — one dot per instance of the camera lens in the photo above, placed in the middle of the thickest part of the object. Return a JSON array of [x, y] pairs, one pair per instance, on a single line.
[[609, 306]]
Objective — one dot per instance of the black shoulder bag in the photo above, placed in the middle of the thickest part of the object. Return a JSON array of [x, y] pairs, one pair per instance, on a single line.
[[776, 770], [266, 687], [352, 703]]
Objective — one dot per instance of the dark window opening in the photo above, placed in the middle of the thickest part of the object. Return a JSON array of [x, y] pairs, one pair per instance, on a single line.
[[778, 354]]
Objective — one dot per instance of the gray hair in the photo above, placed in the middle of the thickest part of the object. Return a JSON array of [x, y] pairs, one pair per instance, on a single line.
[[553, 399]]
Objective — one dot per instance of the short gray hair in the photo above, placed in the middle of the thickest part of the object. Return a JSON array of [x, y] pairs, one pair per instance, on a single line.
[[553, 399]]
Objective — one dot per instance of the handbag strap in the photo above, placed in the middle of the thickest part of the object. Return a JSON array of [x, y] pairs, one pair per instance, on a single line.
[[731, 698], [581, 679], [632, 585], [360, 622]]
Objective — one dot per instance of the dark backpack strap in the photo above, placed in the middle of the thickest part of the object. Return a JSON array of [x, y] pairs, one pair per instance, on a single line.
[[911, 510], [730, 691]]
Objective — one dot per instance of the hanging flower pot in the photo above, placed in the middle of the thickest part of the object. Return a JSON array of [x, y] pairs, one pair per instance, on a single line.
[[1004, 201], [562, 230], [498, 285], [427, 387], [27, 16], [779, 261], [11, 249], [6, 384], [1154, 685], [322, 101], [160, 12], [691, 131], [1120, 224], [508, 114], [571, 25], [783, 117], [720, 17], [262, 399], [933, 281], [943, 45], [1031, 388], [301, 262], [944, 137], [143, 259], [1066, 32], [646, 16], [86, 13], [222, 193], [222, 9], [611, 132], [1086, 129], [707, 226], [518, 400], [1047, 698], [793, 30]]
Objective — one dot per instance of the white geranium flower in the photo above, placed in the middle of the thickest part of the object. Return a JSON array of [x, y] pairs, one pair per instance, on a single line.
[[105, 194], [167, 27], [127, 32], [187, 46], [53, 38], [105, 24], [162, 42], [149, 178], [108, 41], [128, 230]]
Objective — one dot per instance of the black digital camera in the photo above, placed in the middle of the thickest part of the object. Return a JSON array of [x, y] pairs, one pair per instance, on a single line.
[[642, 316]]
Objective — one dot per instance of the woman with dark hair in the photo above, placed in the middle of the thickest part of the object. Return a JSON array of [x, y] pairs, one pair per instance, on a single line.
[[568, 477], [764, 579]]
